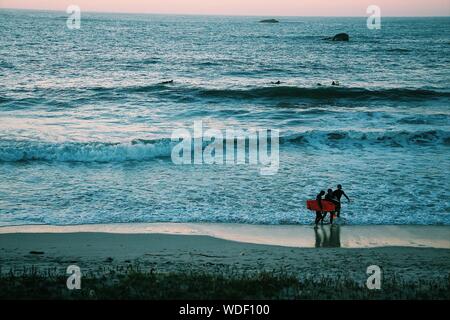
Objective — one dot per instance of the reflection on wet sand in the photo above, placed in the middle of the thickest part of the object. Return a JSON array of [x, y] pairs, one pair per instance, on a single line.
[[328, 236]]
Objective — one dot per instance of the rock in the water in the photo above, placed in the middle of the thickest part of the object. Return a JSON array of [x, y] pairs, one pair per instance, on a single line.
[[36, 252], [341, 37], [269, 21]]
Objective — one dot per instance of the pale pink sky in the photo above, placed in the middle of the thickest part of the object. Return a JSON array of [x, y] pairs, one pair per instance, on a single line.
[[246, 7]]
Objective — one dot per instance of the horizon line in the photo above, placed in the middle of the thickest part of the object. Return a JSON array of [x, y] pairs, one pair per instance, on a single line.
[[222, 15]]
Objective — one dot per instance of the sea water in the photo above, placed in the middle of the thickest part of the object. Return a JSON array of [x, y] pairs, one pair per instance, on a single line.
[[86, 120]]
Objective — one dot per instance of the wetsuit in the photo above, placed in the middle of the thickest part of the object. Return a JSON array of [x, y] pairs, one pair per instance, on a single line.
[[338, 193], [319, 213], [330, 197]]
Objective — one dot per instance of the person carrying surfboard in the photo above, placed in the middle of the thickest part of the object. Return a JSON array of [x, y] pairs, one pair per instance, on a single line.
[[331, 197], [319, 214], [338, 193]]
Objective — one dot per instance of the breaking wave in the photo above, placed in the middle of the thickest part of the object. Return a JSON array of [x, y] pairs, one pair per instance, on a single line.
[[185, 92], [144, 150]]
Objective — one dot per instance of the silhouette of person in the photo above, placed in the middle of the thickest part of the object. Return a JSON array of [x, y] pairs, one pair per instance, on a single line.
[[338, 193], [319, 202], [330, 197]]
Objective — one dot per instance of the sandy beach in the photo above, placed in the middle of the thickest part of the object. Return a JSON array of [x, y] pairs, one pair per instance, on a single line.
[[412, 252]]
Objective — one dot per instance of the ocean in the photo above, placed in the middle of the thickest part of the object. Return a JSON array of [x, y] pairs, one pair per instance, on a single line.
[[86, 118]]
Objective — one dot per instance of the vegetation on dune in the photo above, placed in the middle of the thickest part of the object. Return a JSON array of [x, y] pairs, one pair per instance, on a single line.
[[134, 283]]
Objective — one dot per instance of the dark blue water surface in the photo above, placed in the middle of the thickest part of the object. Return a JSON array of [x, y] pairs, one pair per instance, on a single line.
[[85, 120]]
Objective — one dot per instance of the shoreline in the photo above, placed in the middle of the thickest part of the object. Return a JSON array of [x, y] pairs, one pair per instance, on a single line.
[[297, 236], [154, 265]]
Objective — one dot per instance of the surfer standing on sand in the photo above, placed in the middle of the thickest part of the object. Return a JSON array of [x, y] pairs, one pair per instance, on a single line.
[[319, 216], [338, 193]]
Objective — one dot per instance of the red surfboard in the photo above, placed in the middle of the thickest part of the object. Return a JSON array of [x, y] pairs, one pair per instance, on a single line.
[[327, 206]]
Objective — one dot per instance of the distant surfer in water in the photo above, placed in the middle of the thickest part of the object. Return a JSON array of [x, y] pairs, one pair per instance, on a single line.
[[277, 82], [338, 193], [167, 82], [319, 216]]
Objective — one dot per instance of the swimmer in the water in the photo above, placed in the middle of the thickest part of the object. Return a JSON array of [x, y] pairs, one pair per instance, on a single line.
[[335, 83]]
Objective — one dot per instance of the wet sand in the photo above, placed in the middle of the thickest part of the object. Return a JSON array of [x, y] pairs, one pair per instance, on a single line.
[[411, 252], [281, 235]]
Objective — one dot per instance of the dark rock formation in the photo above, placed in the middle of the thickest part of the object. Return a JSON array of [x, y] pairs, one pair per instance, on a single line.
[[269, 21], [341, 37]]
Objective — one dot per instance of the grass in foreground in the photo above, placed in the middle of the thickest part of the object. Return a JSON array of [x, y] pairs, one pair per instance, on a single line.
[[136, 284]]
